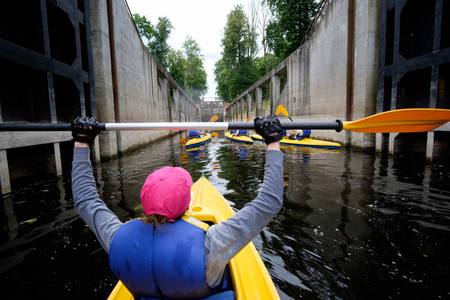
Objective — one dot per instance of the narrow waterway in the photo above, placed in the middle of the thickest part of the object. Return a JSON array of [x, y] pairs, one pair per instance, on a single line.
[[354, 225]]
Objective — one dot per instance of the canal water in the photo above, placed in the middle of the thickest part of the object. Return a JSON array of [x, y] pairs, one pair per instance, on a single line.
[[354, 225]]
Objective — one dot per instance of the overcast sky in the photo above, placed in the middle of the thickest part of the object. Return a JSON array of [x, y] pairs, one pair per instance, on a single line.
[[203, 20]]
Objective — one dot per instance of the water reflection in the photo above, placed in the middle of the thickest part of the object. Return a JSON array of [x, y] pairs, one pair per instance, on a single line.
[[240, 151], [352, 222]]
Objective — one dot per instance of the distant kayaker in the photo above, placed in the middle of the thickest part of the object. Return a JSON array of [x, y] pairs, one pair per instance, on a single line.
[[290, 134], [137, 254], [303, 134], [297, 134], [239, 132], [196, 133]]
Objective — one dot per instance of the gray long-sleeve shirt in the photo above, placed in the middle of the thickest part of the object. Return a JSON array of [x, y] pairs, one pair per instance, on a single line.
[[222, 241]]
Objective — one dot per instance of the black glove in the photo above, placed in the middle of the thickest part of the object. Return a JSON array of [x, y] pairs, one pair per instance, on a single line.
[[264, 126], [84, 130]]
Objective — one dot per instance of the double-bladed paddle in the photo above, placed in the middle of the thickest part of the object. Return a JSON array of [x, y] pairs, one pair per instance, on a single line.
[[400, 120]]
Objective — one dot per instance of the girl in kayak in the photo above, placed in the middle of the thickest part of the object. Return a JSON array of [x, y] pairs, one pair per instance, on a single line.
[[297, 134], [166, 254], [303, 134], [289, 134], [196, 133], [239, 132]]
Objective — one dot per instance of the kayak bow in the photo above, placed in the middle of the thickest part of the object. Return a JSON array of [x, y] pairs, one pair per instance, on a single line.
[[305, 142], [195, 142], [239, 139]]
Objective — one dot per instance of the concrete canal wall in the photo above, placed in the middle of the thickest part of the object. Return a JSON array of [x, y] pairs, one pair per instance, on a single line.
[[130, 84]]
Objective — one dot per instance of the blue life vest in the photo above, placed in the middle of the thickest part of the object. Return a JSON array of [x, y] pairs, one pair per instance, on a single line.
[[306, 134], [233, 131], [194, 134], [283, 133], [242, 132], [162, 263]]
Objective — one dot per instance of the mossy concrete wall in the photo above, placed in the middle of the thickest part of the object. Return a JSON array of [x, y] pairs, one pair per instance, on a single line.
[[130, 84]]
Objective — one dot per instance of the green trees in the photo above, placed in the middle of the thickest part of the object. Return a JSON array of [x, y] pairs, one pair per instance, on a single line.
[[263, 65], [282, 25], [156, 36], [185, 66], [236, 70], [195, 74], [291, 20], [176, 66], [282, 29]]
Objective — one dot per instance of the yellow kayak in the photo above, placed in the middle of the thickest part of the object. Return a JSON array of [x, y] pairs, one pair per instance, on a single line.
[[195, 142], [251, 280], [305, 142], [239, 139]]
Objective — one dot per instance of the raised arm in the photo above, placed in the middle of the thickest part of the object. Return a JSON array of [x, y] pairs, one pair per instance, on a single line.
[[224, 240], [102, 221]]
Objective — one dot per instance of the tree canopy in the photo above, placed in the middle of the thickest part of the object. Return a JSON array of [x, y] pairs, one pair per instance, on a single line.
[[195, 74], [185, 66], [236, 70], [156, 36], [289, 25], [282, 24], [177, 66]]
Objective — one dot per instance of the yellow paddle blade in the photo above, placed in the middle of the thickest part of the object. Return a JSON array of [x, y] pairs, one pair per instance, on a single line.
[[183, 141], [215, 134], [248, 119], [278, 110], [283, 110], [214, 118], [401, 120]]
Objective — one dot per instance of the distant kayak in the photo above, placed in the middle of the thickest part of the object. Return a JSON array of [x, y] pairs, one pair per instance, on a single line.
[[195, 142], [239, 139], [305, 142], [249, 275]]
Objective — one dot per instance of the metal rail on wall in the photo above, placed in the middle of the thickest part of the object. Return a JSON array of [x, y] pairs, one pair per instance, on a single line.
[[315, 21]]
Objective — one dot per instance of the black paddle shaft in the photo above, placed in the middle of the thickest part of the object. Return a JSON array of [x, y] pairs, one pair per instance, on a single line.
[[41, 127], [109, 126], [337, 125]]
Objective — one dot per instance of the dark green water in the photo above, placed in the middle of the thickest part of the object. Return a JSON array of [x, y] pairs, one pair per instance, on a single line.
[[354, 225]]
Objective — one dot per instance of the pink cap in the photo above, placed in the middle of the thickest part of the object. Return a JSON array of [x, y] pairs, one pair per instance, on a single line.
[[167, 192]]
